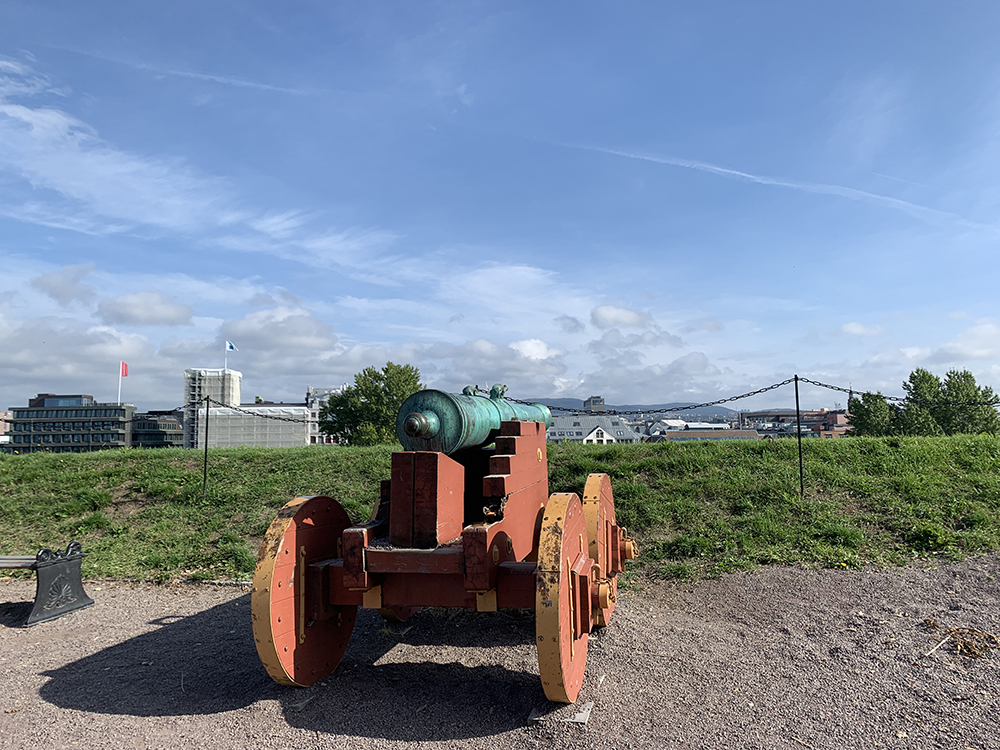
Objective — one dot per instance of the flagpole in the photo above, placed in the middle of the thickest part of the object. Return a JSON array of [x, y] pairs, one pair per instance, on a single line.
[[119, 383]]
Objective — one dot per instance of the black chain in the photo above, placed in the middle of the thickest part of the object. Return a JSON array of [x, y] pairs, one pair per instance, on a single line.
[[615, 412], [903, 399]]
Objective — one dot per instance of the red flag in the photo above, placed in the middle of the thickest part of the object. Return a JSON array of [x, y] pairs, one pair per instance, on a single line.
[[124, 370]]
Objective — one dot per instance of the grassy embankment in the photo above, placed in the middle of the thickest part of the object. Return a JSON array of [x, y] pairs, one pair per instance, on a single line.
[[697, 508]]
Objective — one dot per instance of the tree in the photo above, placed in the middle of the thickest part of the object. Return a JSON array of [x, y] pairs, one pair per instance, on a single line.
[[921, 413], [871, 415], [955, 405], [365, 413], [967, 412]]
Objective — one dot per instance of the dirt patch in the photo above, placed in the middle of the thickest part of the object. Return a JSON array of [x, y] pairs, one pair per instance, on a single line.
[[776, 658]]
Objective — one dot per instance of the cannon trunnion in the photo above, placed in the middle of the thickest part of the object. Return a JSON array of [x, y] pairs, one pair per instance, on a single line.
[[457, 524]]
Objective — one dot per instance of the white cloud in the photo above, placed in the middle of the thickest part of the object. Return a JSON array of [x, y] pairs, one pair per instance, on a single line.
[[70, 178], [900, 356], [17, 79], [981, 341], [857, 329], [482, 361], [691, 374], [54, 355], [144, 308], [614, 340], [280, 330], [569, 324], [711, 326], [261, 299], [535, 349], [54, 151], [65, 285], [279, 225], [609, 316]]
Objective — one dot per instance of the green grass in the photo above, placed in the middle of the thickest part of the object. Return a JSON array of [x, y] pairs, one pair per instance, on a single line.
[[696, 508], [713, 507], [142, 515]]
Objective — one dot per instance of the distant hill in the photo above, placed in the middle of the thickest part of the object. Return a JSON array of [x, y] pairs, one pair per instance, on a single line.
[[688, 415]]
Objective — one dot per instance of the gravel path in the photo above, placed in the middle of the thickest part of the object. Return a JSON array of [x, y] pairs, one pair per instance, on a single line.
[[777, 658]]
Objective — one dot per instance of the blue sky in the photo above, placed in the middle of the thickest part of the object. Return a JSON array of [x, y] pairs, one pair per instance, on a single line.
[[649, 201]]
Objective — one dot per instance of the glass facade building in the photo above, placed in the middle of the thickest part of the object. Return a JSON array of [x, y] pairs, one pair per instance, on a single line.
[[69, 424]]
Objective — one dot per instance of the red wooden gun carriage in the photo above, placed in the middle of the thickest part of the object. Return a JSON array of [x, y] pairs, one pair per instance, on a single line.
[[466, 520]]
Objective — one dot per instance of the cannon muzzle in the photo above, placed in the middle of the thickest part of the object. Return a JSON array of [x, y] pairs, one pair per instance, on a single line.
[[433, 420]]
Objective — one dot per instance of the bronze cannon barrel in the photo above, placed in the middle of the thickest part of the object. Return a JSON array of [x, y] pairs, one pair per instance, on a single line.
[[434, 420]]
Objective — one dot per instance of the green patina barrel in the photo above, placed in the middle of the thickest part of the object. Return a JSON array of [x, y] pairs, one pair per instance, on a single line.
[[448, 422]]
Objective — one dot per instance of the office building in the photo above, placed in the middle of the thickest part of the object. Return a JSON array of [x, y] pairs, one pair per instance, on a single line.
[[158, 429], [69, 424]]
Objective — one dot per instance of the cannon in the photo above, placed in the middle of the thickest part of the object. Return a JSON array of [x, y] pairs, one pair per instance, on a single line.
[[465, 520]]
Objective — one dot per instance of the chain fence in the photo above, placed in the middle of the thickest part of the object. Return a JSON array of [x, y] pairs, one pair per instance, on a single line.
[[500, 391], [851, 392]]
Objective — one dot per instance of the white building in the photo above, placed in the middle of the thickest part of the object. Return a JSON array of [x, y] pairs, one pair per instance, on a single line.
[[583, 428], [316, 399], [272, 426], [220, 385]]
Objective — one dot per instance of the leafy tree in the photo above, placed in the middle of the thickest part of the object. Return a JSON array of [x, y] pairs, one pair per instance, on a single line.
[[916, 419], [960, 388], [955, 405], [871, 415], [365, 413], [922, 412]]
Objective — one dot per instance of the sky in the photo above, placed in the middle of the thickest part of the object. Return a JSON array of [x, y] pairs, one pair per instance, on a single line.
[[653, 202]]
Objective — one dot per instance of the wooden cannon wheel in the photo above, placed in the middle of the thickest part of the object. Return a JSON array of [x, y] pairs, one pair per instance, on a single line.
[[599, 510], [562, 598], [294, 650]]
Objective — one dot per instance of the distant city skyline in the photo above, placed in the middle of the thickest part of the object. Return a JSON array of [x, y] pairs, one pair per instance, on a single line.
[[651, 202]]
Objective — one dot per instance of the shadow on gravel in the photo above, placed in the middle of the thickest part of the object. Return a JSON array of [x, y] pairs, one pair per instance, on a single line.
[[201, 664], [207, 663], [14, 614]]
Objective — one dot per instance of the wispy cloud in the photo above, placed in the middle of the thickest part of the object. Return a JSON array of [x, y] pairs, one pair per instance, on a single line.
[[924, 213], [224, 80], [54, 151], [62, 174]]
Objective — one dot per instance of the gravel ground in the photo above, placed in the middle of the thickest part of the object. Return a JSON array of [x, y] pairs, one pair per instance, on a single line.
[[777, 658]]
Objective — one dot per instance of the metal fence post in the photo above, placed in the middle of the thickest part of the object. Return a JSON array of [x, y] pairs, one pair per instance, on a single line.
[[798, 435], [204, 477]]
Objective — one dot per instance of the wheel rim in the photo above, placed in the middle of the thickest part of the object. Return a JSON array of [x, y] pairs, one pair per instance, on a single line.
[[599, 509], [295, 651], [562, 615]]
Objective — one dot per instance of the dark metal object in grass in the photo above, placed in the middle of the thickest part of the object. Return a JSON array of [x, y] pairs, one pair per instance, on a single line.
[[59, 589], [204, 476], [798, 435]]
